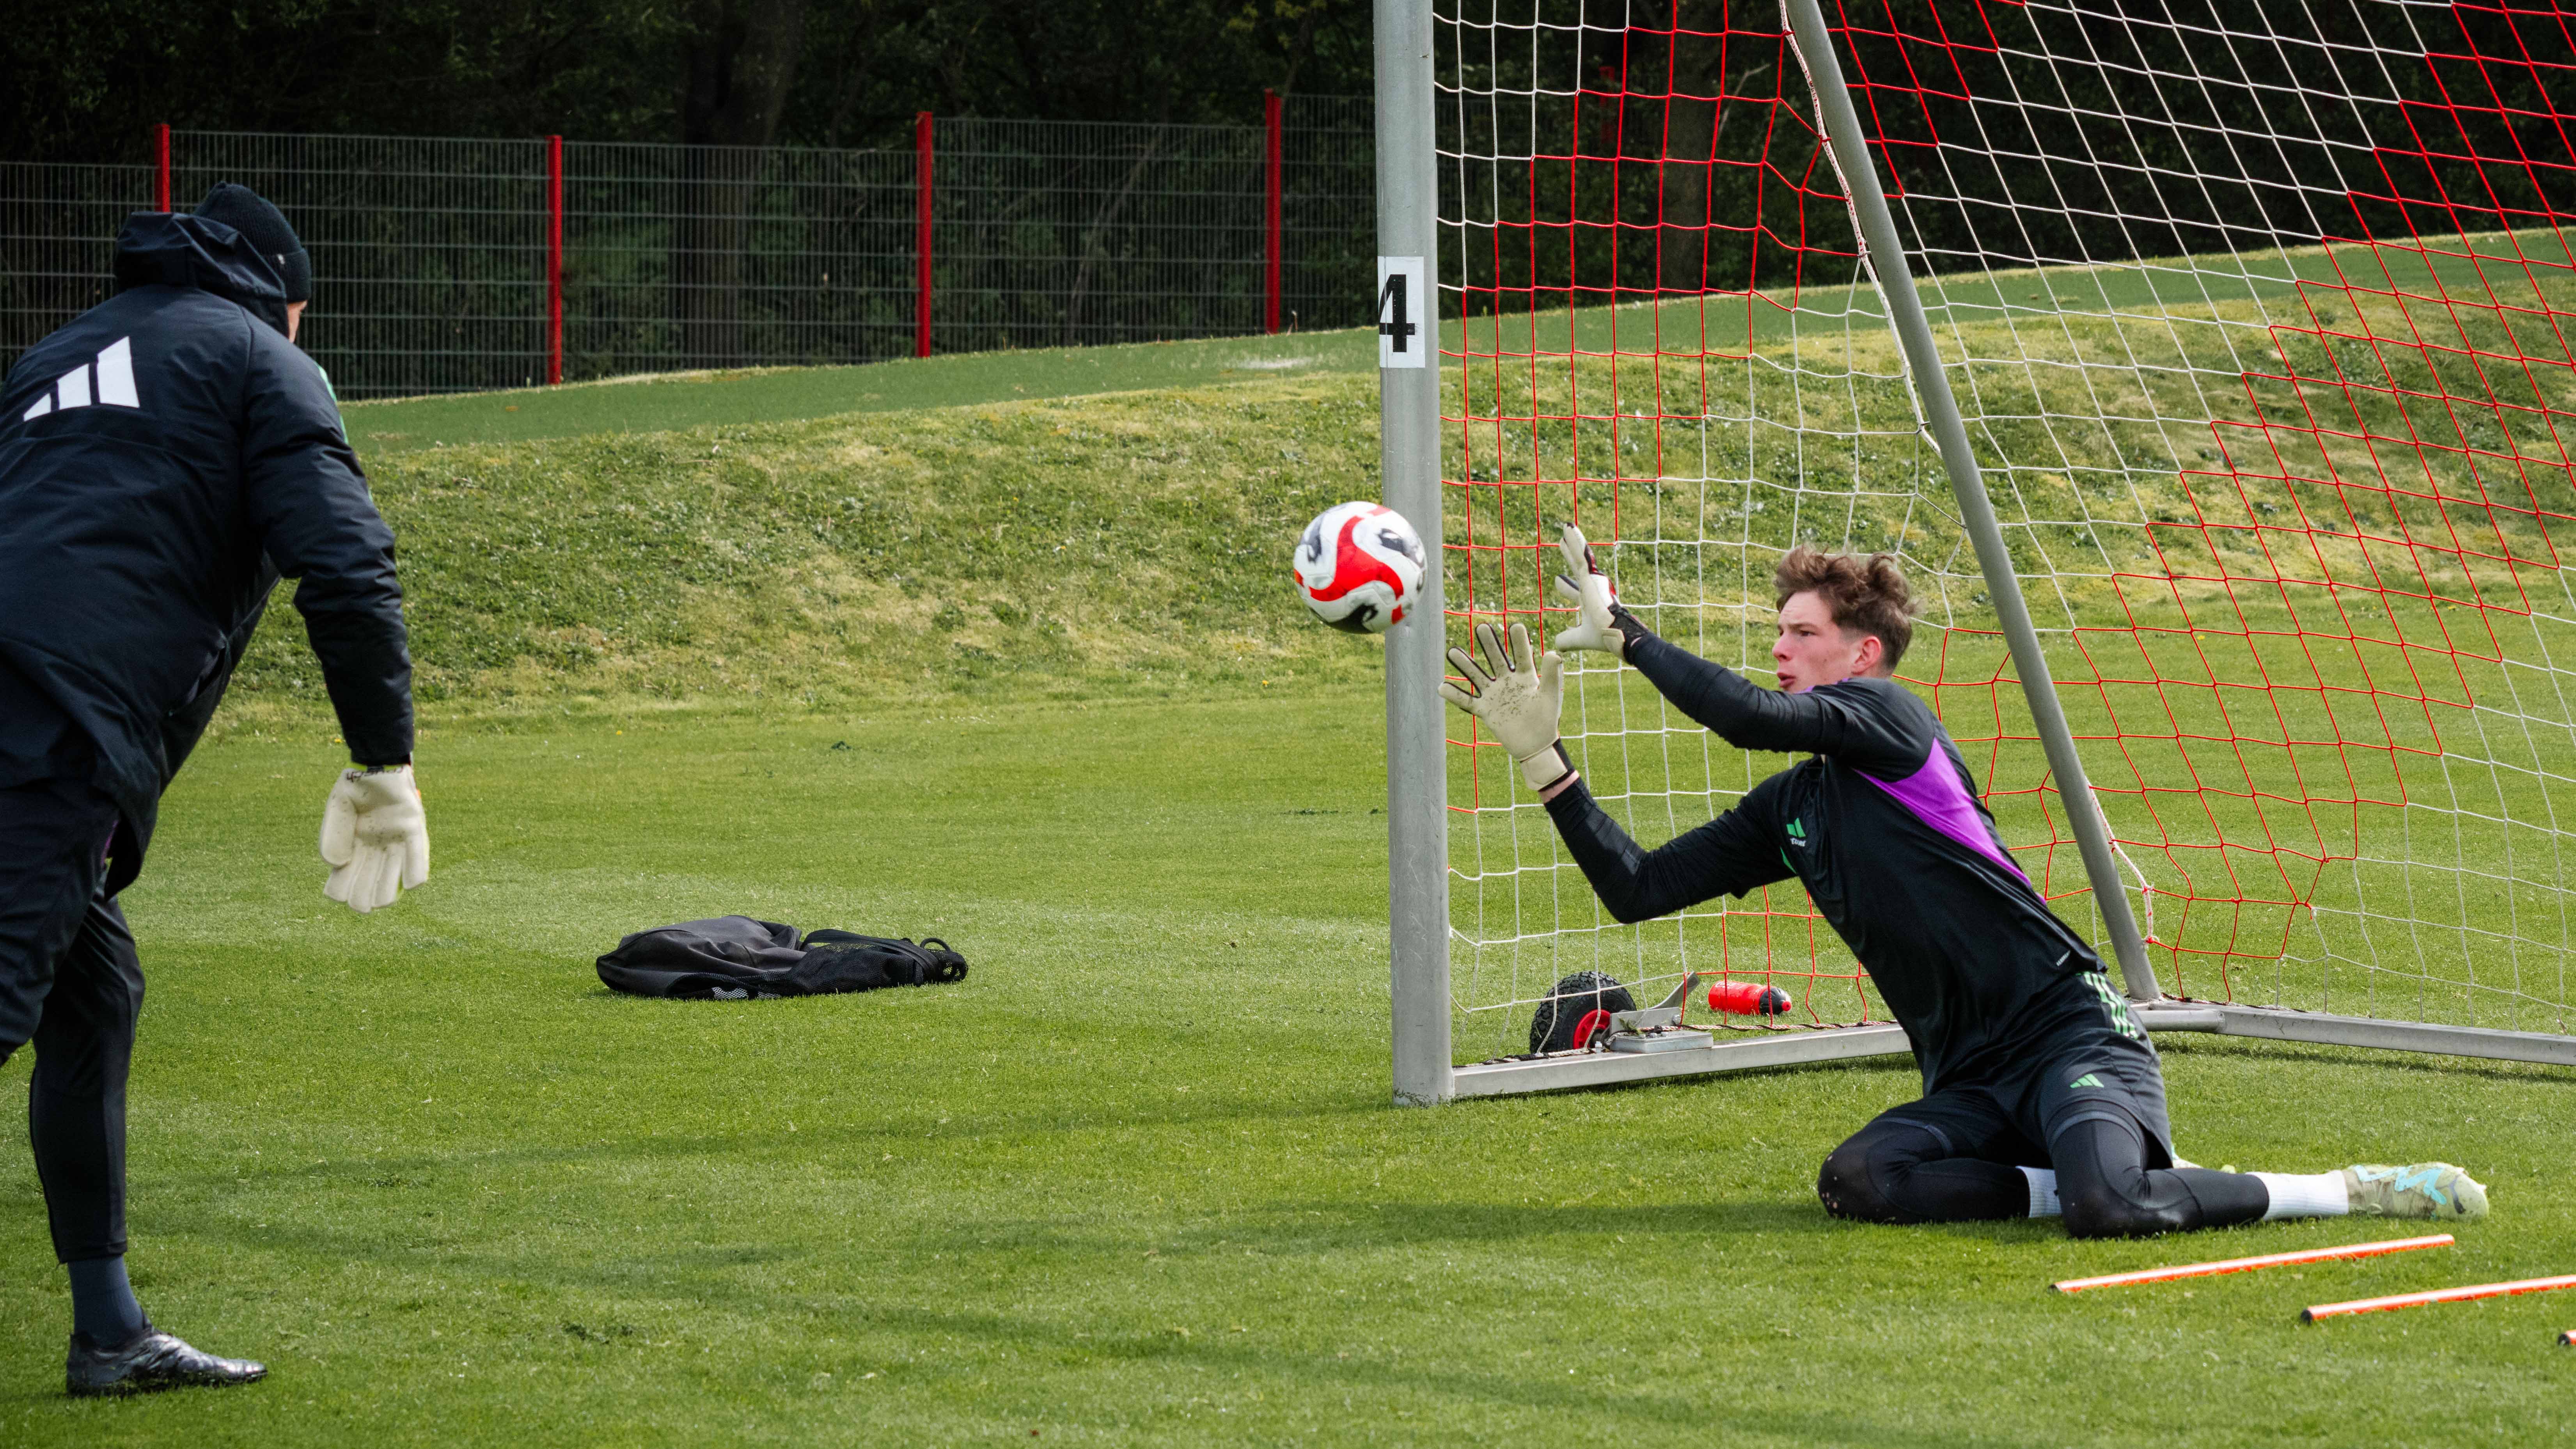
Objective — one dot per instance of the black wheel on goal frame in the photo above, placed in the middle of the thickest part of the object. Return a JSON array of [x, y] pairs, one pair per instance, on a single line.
[[1575, 1009]]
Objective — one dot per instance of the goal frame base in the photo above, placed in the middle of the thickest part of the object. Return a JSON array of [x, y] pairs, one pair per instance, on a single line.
[[1517, 1076]]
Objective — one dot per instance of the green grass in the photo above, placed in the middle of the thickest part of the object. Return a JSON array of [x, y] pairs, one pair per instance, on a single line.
[[999, 649], [1135, 1180], [1133, 542]]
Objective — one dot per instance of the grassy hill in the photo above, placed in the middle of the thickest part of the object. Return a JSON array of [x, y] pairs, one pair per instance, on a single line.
[[1131, 542], [663, 402]]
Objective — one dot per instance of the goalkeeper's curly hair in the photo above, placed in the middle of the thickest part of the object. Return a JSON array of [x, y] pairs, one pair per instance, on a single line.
[[1866, 592]]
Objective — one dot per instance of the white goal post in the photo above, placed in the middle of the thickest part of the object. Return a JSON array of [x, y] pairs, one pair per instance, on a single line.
[[2208, 375]]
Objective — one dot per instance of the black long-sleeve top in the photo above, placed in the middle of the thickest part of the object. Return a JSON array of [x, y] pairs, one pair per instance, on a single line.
[[1885, 830]]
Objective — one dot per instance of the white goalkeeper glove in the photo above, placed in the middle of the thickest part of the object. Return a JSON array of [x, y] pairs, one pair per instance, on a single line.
[[1519, 701], [1586, 587], [374, 837]]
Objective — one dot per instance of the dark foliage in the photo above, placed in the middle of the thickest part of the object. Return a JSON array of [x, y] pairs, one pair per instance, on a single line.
[[88, 79]]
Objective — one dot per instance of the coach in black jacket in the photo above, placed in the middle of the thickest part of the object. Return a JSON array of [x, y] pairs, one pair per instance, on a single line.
[[164, 458]]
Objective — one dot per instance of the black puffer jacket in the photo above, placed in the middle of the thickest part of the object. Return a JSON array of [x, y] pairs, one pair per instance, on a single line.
[[163, 459]]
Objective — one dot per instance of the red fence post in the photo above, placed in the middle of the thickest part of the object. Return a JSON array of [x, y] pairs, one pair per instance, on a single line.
[[921, 239], [161, 167], [554, 260], [1270, 215]]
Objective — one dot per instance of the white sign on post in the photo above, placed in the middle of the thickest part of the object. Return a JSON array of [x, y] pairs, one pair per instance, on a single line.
[[1403, 337]]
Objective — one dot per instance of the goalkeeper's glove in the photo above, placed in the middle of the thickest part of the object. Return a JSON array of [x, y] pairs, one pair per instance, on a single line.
[[1586, 587], [374, 838], [1519, 703]]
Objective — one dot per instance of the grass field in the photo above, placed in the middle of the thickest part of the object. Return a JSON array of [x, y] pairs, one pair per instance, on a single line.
[[1135, 1180]]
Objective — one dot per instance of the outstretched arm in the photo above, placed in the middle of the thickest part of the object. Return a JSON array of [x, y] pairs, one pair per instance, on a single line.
[[1517, 696], [1728, 856], [1743, 713]]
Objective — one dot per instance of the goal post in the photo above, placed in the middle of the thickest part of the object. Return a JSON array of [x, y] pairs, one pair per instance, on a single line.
[[2206, 371], [1409, 462]]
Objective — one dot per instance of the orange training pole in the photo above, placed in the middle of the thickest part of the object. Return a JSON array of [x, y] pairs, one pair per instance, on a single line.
[[2438, 1295], [2240, 1265]]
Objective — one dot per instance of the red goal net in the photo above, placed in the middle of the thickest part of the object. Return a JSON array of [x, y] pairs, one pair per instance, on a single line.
[[2261, 326]]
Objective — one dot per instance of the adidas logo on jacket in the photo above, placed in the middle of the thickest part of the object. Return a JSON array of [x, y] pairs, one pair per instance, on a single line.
[[109, 381]]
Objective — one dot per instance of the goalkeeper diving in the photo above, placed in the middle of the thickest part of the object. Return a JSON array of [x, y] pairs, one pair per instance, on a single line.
[[2041, 1094]]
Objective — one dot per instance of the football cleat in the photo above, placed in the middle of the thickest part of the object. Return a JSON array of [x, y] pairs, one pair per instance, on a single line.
[[153, 1360], [2423, 1190]]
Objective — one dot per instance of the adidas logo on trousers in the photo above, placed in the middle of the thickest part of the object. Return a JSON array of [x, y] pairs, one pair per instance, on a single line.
[[114, 385]]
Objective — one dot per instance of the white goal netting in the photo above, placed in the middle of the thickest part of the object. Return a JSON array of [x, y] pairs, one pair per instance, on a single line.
[[2262, 327]]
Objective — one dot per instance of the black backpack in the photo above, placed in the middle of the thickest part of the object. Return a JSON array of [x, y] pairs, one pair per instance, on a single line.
[[730, 958]]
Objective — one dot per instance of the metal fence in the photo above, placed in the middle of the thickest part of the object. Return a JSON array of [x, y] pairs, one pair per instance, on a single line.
[[704, 256], [55, 222], [429, 255], [1062, 234], [446, 265]]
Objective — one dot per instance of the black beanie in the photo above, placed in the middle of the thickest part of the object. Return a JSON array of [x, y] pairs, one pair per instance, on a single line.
[[264, 226]]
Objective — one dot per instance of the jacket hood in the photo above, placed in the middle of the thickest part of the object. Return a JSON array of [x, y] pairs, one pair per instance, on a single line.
[[172, 249]]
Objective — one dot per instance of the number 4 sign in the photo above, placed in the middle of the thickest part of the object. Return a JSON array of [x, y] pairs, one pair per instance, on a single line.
[[1401, 308]]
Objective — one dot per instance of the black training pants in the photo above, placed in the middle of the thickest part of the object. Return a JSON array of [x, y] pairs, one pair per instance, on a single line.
[[69, 983], [1957, 1155], [1901, 1172]]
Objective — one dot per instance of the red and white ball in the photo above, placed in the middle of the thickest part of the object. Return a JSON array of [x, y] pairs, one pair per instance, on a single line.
[[1358, 565]]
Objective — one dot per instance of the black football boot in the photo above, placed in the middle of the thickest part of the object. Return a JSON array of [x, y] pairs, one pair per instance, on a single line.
[[153, 1360]]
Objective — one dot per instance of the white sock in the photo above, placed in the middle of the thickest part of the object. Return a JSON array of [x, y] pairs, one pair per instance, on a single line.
[[2304, 1195], [2043, 1192]]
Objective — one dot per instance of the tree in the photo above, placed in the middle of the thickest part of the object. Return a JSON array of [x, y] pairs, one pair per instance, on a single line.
[[87, 78], [738, 60]]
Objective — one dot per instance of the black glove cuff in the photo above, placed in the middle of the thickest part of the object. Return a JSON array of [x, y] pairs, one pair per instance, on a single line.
[[1553, 763], [1631, 632], [1564, 764]]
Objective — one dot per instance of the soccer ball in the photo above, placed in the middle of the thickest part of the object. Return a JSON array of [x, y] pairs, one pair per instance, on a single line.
[[1358, 565]]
